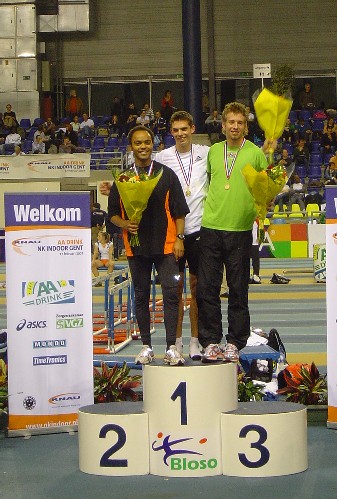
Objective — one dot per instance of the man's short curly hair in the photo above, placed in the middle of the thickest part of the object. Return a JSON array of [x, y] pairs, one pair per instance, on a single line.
[[182, 116], [236, 108]]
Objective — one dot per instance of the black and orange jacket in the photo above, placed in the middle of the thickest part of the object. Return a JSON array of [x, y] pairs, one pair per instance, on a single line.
[[157, 229]]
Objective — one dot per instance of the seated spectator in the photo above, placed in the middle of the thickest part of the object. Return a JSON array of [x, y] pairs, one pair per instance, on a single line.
[[87, 127], [285, 159], [296, 193], [289, 132], [12, 139], [330, 125], [9, 118], [149, 112], [48, 127], [282, 197], [38, 146], [143, 119], [330, 173], [301, 155], [114, 125], [303, 130], [307, 97], [17, 151], [67, 147], [213, 126], [75, 124], [328, 142], [71, 134]]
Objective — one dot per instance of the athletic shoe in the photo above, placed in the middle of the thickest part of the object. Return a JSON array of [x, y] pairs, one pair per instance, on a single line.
[[231, 353], [173, 358], [145, 356], [98, 284], [225, 294], [195, 353], [213, 353], [255, 279], [279, 279]]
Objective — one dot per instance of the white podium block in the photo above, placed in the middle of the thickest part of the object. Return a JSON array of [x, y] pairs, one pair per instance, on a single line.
[[184, 406], [262, 439], [113, 439]]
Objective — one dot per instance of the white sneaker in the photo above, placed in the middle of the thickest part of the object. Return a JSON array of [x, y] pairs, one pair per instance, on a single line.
[[195, 353], [173, 358], [231, 353], [256, 279], [145, 356]]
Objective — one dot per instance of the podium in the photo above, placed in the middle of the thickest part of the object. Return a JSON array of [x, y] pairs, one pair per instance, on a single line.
[[191, 424]]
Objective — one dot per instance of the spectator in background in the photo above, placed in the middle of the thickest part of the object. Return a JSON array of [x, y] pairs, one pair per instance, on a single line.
[[38, 146], [330, 125], [328, 142], [114, 125], [131, 117], [213, 126], [289, 132], [87, 127], [12, 139], [74, 105], [167, 106], [330, 173], [102, 256], [71, 134], [282, 198], [307, 97], [255, 255], [9, 118], [67, 147], [117, 108], [149, 112], [296, 193], [159, 126], [75, 124], [143, 119], [17, 151], [303, 130], [98, 218], [285, 159], [301, 155]]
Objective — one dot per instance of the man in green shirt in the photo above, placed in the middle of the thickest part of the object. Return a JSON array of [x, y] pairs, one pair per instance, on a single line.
[[226, 238]]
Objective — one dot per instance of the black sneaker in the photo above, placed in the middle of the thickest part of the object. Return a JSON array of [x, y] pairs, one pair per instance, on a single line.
[[279, 279]]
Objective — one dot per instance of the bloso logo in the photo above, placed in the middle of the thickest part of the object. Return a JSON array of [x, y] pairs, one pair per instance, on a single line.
[[48, 292], [184, 463], [31, 325]]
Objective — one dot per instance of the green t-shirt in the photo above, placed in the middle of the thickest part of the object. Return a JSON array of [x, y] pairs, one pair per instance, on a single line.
[[231, 209]]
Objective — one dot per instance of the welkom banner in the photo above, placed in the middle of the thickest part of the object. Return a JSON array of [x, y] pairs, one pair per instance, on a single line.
[[49, 310], [331, 293]]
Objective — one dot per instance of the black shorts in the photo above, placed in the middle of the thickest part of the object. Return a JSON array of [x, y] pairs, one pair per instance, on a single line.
[[191, 255]]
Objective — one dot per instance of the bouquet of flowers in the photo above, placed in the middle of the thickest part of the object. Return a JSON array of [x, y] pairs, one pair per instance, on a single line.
[[272, 112], [135, 188]]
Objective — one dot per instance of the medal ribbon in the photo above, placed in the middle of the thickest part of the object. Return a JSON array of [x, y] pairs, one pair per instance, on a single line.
[[187, 176], [137, 170], [227, 168]]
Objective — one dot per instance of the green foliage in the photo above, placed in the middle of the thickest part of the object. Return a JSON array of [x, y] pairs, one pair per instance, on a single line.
[[115, 384], [3, 388], [283, 80], [307, 387], [247, 390]]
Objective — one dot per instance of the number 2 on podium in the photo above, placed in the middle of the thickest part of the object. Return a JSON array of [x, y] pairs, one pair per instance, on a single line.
[[180, 391]]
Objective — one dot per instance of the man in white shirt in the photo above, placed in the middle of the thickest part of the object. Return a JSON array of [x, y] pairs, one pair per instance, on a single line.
[[87, 126], [189, 162], [143, 119]]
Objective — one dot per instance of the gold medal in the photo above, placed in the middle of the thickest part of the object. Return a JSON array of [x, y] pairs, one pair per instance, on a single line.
[[188, 192], [227, 187]]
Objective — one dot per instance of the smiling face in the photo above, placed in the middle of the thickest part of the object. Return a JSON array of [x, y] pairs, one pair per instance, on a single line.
[[182, 132], [235, 128], [142, 146]]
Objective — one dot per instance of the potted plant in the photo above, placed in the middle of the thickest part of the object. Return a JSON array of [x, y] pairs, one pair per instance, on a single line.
[[248, 391], [305, 385], [283, 79], [115, 384]]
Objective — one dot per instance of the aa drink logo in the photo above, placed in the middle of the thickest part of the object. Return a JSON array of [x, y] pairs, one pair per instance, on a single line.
[[61, 244], [172, 448], [48, 292]]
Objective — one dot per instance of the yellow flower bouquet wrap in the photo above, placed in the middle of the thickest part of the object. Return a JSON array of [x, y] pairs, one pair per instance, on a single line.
[[135, 190], [264, 186]]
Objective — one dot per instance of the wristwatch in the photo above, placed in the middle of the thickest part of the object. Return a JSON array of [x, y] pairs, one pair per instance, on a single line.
[[181, 236]]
